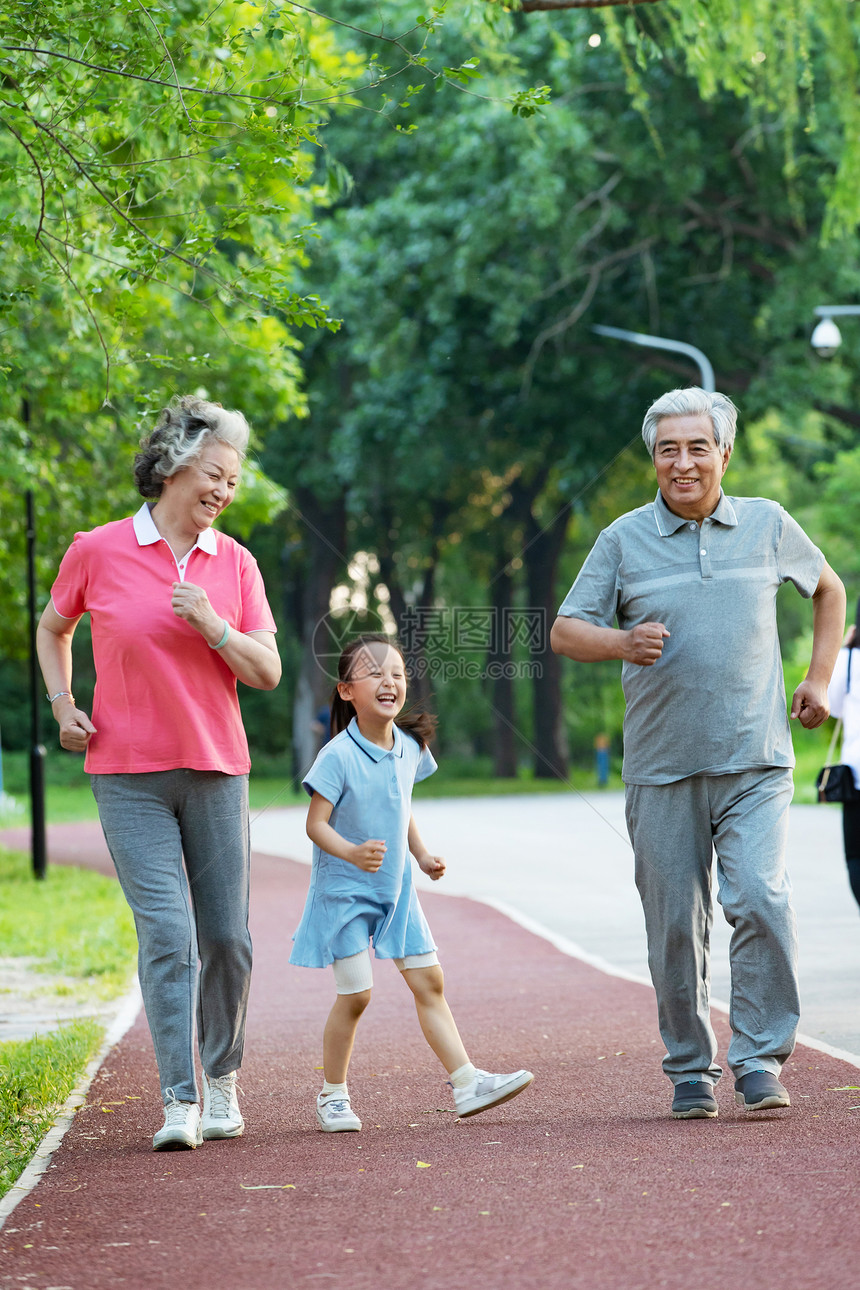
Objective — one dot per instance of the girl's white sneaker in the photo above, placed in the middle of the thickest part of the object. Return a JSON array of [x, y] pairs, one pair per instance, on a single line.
[[488, 1090], [335, 1115]]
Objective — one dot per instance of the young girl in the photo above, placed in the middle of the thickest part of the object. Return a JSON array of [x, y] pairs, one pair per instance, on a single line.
[[360, 821]]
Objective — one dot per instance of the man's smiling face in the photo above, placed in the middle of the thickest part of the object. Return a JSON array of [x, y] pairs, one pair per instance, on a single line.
[[689, 465]]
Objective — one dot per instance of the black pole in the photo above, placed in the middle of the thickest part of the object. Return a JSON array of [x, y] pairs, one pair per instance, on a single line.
[[37, 748]]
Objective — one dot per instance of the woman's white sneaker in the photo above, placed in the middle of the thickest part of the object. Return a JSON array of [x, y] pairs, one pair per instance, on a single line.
[[488, 1090], [181, 1129], [221, 1115], [335, 1115]]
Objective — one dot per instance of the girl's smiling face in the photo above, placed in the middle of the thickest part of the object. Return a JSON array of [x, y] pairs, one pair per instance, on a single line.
[[377, 684]]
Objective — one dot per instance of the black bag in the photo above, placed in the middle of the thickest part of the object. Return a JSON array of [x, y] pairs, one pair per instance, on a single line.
[[836, 784]]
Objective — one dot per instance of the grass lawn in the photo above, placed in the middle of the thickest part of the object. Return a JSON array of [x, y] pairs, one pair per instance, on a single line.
[[36, 1077], [77, 924]]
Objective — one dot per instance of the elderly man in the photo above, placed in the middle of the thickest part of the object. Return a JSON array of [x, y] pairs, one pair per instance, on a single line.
[[691, 580]]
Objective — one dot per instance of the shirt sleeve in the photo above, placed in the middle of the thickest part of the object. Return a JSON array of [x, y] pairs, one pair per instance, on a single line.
[[69, 592], [326, 776], [256, 614], [798, 558], [426, 765], [594, 595], [838, 687]]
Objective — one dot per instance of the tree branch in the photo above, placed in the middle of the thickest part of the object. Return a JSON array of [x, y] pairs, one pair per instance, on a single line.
[[135, 76], [32, 157], [154, 26], [531, 6], [67, 274], [847, 416], [716, 218], [571, 317]]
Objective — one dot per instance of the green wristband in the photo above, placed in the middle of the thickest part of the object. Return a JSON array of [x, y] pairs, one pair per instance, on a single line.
[[223, 640]]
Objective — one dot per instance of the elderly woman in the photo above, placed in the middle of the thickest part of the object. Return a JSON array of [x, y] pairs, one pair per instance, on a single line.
[[178, 614]]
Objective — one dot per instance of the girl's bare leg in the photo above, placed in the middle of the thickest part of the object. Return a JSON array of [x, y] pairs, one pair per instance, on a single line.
[[440, 1030], [339, 1034]]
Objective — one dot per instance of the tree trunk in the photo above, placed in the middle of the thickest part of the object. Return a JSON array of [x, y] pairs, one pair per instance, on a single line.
[[499, 662], [541, 559], [325, 560], [412, 624]]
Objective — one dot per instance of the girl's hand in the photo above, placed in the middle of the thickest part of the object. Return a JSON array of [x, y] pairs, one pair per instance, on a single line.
[[191, 603], [433, 866], [368, 855]]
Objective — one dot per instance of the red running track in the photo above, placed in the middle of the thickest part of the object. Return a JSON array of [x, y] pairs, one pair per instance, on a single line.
[[582, 1181]]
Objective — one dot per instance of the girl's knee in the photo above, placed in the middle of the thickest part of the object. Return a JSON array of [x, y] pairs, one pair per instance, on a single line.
[[425, 982], [354, 1004]]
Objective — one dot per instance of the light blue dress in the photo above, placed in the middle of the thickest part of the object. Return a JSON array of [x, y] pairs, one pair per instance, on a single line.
[[370, 789]]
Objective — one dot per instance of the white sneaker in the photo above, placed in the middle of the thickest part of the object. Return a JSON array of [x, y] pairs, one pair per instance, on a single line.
[[335, 1115], [221, 1115], [181, 1126], [488, 1090]]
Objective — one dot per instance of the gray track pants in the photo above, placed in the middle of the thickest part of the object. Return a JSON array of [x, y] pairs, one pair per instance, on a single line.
[[151, 821], [674, 829]]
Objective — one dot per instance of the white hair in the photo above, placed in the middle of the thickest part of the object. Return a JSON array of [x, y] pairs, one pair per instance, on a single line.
[[693, 402], [184, 428]]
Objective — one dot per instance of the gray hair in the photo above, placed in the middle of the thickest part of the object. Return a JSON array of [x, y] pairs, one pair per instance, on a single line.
[[693, 402], [183, 429]]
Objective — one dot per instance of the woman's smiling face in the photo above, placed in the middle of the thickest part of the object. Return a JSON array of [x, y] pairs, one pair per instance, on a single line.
[[377, 684], [202, 490]]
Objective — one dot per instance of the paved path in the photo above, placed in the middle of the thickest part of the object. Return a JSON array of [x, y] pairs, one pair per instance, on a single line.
[[583, 1181], [564, 861]]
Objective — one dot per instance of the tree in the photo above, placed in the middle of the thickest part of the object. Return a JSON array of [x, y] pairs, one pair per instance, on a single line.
[[474, 409]]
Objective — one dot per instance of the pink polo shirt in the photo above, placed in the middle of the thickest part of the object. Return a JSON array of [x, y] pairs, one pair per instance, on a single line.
[[163, 699]]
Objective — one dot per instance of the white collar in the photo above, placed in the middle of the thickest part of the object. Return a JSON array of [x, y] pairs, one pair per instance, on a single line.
[[146, 532]]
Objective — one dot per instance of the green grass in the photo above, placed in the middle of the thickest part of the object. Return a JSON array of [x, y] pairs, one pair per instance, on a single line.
[[473, 777], [76, 924], [36, 1077]]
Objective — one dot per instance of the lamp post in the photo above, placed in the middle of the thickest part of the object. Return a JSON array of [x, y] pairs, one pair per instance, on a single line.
[[827, 338], [37, 748], [659, 342]]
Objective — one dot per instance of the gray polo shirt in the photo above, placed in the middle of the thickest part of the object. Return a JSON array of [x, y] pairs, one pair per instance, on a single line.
[[715, 701]]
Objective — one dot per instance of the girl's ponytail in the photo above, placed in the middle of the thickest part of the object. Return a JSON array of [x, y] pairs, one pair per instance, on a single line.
[[417, 722], [342, 712]]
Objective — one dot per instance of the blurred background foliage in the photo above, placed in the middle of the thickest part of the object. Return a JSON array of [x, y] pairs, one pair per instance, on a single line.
[[386, 239]]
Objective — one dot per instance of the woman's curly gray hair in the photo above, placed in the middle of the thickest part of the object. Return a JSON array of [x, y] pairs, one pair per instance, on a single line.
[[693, 402], [182, 430]]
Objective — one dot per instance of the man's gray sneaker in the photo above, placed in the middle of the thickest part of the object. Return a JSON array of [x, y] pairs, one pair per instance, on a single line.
[[694, 1100], [760, 1091], [181, 1129]]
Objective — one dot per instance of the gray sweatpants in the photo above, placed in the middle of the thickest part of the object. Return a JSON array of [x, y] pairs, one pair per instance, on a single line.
[[675, 829], [151, 822]]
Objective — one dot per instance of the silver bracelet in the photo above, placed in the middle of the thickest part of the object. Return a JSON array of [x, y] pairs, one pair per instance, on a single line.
[[52, 698]]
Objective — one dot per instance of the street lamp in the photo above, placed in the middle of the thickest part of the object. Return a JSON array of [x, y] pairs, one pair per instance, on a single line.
[[659, 342], [827, 338]]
